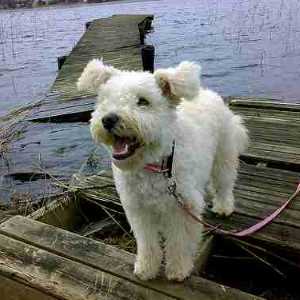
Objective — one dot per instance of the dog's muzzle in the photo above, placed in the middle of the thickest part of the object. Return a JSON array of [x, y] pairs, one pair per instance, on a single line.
[[124, 144]]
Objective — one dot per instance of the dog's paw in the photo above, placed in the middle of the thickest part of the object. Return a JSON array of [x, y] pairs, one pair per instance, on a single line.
[[177, 276], [145, 271], [223, 208], [179, 273]]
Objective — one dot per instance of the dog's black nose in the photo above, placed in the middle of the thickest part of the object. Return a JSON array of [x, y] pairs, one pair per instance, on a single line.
[[110, 120]]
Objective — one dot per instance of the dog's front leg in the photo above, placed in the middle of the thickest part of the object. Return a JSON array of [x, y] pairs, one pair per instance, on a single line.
[[183, 236], [149, 252]]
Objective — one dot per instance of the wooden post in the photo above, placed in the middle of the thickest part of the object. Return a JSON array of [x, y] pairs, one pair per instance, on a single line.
[[148, 25], [142, 33], [148, 53], [87, 25], [144, 27], [60, 61]]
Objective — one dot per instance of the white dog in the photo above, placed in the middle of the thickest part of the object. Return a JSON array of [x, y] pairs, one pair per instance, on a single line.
[[138, 116]]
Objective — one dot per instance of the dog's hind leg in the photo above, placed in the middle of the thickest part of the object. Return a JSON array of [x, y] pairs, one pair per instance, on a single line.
[[235, 141], [210, 191], [149, 252], [183, 236], [225, 173]]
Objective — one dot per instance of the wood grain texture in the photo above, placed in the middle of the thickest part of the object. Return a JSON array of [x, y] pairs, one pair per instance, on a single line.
[[11, 289], [64, 278], [274, 130]]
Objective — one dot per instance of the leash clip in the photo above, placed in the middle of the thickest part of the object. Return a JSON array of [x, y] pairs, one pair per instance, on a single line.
[[172, 187], [170, 161]]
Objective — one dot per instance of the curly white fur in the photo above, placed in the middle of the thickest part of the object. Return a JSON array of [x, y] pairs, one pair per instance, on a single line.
[[209, 139]]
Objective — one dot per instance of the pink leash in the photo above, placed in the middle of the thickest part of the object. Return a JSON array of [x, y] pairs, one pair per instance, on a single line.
[[250, 230], [245, 232]]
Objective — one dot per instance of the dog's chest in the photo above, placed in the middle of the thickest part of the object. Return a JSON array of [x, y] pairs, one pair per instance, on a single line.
[[144, 190]]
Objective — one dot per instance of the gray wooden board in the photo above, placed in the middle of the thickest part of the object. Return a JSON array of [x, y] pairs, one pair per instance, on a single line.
[[11, 289], [62, 277], [67, 111], [69, 266], [274, 130], [264, 103]]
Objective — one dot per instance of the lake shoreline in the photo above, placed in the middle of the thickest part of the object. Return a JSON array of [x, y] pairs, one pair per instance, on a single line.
[[21, 4]]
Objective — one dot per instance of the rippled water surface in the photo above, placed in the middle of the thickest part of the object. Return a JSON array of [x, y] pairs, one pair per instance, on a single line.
[[245, 47]]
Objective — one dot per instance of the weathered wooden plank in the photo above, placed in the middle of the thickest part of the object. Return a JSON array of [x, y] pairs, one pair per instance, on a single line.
[[266, 112], [12, 289], [272, 158], [64, 278], [262, 128], [264, 103], [283, 120], [253, 209], [76, 111], [291, 152], [86, 259], [263, 173], [271, 123], [280, 140], [274, 131], [276, 118], [265, 154], [259, 191], [275, 236]]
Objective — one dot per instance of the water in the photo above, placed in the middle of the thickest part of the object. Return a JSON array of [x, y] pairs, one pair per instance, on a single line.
[[245, 47]]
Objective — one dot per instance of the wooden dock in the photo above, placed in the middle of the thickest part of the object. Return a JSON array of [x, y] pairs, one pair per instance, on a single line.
[[52, 161]]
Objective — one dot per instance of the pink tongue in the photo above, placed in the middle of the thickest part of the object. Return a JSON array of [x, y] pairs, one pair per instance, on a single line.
[[121, 146]]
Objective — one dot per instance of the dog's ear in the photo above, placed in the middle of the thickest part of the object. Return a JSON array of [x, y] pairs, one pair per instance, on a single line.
[[94, 74], [180, 82]]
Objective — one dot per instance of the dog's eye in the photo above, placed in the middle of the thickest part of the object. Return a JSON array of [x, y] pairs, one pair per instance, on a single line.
[[143, 102]]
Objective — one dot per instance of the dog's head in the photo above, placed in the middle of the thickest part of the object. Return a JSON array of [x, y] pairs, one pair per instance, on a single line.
[[136, 111]]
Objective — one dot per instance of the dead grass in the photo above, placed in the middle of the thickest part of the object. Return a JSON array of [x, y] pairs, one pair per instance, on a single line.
[[122, 241], [22, 203], [19, 204]]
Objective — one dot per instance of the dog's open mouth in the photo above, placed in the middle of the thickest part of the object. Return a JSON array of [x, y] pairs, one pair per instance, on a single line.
[[124, 147]]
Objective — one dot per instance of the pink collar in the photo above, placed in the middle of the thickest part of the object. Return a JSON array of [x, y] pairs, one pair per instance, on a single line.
[[166, 165], [156, 168]]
